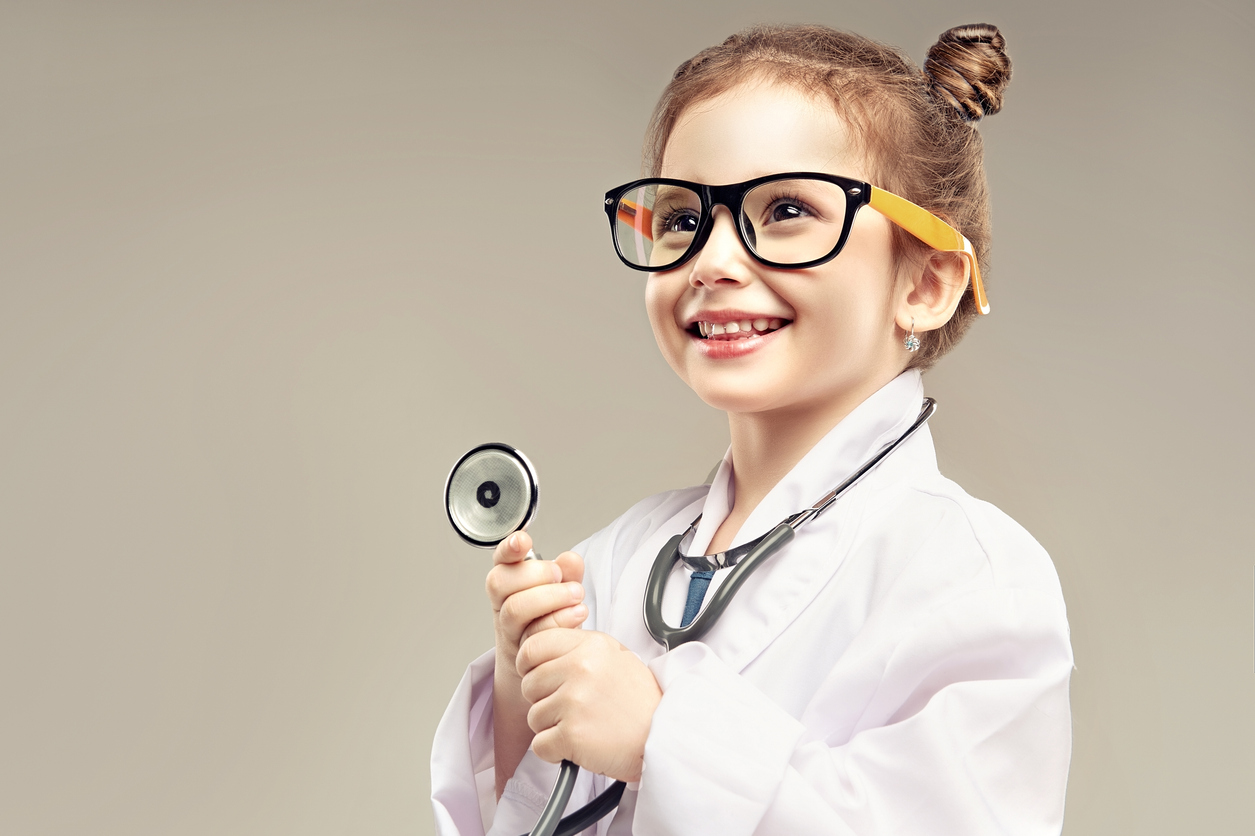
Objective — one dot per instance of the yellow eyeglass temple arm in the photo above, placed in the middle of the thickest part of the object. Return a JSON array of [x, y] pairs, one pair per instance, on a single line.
[[933, 231]]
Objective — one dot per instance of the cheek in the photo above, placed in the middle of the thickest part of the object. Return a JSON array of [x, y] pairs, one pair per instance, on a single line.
[[661, 298], [660, 303], [652, 298], [872, 240], [871, 274]]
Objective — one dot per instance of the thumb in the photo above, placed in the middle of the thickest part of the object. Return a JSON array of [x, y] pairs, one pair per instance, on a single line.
[[572, 566]]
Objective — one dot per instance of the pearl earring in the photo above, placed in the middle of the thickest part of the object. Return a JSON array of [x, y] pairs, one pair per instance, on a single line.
[[911, 343]]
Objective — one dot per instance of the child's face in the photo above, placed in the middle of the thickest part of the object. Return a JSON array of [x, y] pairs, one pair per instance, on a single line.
[[837, 342]]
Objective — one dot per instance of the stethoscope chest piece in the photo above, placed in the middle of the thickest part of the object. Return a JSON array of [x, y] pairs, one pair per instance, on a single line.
[[491, 493]]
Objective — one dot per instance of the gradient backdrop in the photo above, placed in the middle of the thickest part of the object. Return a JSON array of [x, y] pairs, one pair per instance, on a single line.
[[267, 268]]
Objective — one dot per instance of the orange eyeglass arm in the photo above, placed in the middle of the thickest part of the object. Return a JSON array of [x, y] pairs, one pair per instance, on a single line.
[[637, 217], [933, 231]]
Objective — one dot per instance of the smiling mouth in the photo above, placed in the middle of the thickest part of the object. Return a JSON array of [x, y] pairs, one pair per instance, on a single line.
[[736, 330]]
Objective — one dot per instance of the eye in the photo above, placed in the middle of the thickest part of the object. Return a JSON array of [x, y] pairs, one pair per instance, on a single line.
[[683, 222], [680, 222], [786, 209]]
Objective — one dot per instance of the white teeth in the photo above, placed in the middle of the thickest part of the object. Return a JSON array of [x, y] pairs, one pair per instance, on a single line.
[[762, 325]]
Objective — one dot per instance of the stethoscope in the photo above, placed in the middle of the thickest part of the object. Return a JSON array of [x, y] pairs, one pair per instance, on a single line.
[[743, 559]]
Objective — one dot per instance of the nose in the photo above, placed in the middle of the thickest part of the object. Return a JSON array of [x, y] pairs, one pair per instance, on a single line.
[[722, 260]]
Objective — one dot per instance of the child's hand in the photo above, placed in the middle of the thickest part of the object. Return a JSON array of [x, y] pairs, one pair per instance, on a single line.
[[531, 595], [527, 596], [592, 701]]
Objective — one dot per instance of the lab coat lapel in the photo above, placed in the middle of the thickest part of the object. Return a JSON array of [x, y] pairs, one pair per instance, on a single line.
[[789, 581]]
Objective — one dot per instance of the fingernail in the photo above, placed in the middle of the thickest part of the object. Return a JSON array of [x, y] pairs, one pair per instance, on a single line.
[[557, 572], [576, 590], [514, 541]]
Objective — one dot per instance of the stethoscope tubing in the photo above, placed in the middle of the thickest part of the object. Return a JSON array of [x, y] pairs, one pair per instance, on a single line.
[[671, 637], [551, 822]]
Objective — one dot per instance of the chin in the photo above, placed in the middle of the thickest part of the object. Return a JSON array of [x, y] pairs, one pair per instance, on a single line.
[[734, 401]]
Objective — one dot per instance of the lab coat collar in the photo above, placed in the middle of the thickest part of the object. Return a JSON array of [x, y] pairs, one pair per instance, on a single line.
[[874, 423], [783, 587]]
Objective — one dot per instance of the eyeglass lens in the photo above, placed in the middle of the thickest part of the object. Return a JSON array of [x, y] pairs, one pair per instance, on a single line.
[[784, 221]]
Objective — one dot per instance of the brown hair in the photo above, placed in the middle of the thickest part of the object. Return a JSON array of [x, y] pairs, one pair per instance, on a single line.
[[914, 127]]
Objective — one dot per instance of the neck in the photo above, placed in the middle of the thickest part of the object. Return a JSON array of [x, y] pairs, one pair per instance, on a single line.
[[767, 445]]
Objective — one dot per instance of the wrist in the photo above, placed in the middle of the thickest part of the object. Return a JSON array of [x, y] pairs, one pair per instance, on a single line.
[[507, 689], [511, 734], [505, 668]]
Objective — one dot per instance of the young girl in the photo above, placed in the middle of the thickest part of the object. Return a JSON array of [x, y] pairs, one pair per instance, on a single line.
[[901, 666]]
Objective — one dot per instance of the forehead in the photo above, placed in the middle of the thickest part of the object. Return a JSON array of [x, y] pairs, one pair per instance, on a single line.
[[759, 128]]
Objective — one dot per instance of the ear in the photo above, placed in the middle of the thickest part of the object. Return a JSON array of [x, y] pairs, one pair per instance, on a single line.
[[929, 292]]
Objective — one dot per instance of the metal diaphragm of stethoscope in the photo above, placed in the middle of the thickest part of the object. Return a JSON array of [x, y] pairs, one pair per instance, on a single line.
[[493, 474]]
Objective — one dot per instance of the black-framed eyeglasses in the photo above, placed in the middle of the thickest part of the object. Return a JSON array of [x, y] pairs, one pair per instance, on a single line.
[[793, 220]]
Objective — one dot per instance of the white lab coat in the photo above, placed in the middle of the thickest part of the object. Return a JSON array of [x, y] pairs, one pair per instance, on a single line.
[[901, 667]]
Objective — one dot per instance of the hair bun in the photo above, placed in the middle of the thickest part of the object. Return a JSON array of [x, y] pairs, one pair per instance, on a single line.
[[969, 68]]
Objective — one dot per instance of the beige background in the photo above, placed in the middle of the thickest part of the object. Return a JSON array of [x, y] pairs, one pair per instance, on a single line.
[[267, 268]]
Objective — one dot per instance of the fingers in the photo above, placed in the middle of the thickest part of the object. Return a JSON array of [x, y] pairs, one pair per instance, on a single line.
[[541, 682], [532, 596], [511, 572], [593, 701], [568, 619], [513, 548], [507, 579], [548, 645], [544, 713], [572, 566], [542, 607], [551, 744]]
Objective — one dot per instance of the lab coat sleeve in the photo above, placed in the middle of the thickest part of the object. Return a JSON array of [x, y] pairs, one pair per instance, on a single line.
[[462, 755], [462, 768], [967, 730]]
